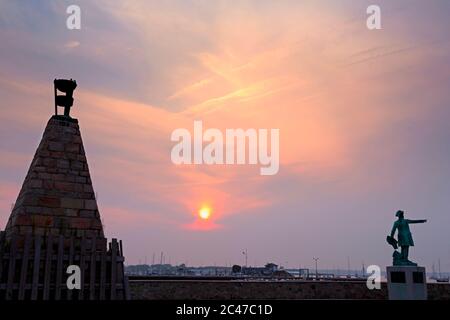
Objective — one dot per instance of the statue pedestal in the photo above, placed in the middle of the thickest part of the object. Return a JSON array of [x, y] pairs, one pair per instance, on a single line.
[[406, 283]]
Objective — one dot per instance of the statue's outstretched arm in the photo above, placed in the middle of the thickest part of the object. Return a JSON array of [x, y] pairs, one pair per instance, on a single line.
[[417, 221]]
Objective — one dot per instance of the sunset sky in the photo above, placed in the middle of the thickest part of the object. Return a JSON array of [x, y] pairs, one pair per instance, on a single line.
[[363, 117]]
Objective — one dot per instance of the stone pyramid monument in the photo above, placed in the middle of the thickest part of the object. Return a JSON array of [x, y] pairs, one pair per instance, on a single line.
[[57, 196], [55, 223]]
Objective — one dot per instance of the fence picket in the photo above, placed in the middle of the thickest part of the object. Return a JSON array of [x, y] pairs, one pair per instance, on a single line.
[[82, 266], [11, 268], [24, 267], [71, 259], [92, 274], [48, 267], [113, 268], [36, 267], [59, 268], [102, 273]]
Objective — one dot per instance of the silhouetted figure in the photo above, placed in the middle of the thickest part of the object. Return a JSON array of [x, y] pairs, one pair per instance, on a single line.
[[66, 101], [404, 239]]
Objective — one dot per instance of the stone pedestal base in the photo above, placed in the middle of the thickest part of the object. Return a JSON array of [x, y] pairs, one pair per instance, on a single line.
[[406, 283]]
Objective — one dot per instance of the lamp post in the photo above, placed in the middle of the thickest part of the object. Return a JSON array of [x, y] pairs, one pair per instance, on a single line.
[[317, 275], [246, 257]]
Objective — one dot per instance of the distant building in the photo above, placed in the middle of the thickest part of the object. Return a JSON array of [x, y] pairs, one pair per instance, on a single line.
[[269, 270], [271, 266]]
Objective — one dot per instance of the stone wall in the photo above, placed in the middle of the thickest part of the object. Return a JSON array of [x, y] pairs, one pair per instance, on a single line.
[[211, 289]]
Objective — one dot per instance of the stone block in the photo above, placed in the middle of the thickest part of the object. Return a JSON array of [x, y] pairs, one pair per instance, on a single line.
[[88, 188], [90, 234], [29, 200], [71, 212], [52, 170], [35, 183], [55, 146], [72, 156], [49, 202], [55, 211], [79, 179], [72, 147], [34, 210], [78, 187], [37, 162], [44, 176], [42, 221], [32, 175], [18, 209], [48, 184], [57, 154], [72, 203], [87, 213], [76, 165], [63, 164], [90, 204], [77, 139], [70, 177], [65, 186], [25, 229], [97, 224], [69, 130], [22, 220], [49, 162], [62, 170], [89, 195]]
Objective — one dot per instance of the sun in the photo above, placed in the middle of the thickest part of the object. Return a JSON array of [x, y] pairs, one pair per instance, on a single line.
[[204, 213]]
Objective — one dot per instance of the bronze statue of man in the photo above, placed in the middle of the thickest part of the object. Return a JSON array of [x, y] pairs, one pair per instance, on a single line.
[[404, 237]]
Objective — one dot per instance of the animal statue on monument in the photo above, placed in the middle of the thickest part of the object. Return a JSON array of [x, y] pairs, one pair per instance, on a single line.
[[66, 101]]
